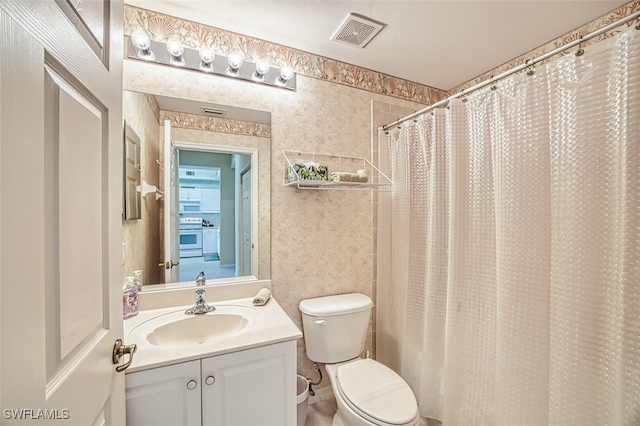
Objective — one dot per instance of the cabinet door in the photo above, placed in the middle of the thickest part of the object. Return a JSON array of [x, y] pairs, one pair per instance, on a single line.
[[210, 200], [164, 396], [252, 387], [194, 194], [184, 194], [208, 241]]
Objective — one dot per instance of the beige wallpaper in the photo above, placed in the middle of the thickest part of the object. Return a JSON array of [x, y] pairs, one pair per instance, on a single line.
[[321, 241], [140, 116]]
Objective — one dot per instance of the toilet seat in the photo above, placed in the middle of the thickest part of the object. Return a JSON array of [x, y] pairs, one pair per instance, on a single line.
[[376, 393]]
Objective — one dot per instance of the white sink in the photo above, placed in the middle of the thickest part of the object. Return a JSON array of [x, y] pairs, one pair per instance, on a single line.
[[177, 329]]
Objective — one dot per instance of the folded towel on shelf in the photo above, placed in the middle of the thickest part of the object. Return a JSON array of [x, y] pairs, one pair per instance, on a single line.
[[348, 177], [262, 297]]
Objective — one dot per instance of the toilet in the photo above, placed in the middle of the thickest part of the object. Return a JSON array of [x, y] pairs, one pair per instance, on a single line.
[[367, 392]]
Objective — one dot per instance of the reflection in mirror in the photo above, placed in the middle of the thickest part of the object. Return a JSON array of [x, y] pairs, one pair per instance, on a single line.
[[209, 186], [221, 195], [131, 172]]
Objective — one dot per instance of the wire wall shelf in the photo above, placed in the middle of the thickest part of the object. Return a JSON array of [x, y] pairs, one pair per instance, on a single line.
[[306, 170]]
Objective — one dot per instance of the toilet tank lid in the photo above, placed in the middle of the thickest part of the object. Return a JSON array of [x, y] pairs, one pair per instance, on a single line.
[[339, 304]]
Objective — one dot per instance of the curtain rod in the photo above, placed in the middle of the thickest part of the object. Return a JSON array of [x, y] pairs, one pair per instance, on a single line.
[[527, 64]]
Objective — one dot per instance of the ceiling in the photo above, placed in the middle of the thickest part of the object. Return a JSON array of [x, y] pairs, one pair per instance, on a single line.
[[439, 43]]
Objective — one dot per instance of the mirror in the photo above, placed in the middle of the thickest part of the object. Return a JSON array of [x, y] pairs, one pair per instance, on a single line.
[[222, 192]]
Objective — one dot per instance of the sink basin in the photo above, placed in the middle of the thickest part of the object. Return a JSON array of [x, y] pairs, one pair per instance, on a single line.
[[178, 329]]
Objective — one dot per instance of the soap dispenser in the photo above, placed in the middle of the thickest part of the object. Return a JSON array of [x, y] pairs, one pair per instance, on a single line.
[[137, 279], [129, 298]]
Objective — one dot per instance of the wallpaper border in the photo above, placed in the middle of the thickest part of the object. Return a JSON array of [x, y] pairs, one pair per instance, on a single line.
[[162, 27], [617, 14]]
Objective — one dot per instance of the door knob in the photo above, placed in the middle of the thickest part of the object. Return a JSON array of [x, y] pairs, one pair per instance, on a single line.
[[210, 380], [118, 352]]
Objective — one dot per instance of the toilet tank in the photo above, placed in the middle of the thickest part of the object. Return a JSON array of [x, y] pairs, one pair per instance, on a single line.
[[335, 327]]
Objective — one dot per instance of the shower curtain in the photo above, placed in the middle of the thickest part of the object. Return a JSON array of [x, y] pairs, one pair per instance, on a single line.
[[514, 296]]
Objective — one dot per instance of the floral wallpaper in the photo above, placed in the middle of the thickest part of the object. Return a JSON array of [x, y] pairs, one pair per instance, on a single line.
[[162, 27], [621, 12], [215, 124], [203, 122]]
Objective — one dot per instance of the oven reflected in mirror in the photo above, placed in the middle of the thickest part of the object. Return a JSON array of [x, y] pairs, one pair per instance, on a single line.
[[211, 217]]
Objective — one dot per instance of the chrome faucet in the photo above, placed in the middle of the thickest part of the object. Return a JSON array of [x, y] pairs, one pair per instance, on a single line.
[[200, 306], [201, 279]]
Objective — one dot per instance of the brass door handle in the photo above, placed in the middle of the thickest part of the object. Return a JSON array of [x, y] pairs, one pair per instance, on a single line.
[[169, 264], [118, 352]]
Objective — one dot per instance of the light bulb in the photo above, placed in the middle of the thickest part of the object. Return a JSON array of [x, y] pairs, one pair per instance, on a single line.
[[142, 41], [286, 74], [262, 67], [175, 49], [207, 55], [235, 62]]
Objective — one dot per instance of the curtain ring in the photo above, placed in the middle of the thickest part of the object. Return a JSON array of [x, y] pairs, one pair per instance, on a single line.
[[580, 50], [531, 70], [493, 85]]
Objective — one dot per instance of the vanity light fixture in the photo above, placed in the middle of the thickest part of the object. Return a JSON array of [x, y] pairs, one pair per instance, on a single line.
[[175, 49], [207, 56], [204, 59], [235, 60], [142, 41], [262, 68]]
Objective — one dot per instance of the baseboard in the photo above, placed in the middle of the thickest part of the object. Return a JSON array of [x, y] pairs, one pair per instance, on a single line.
[[321, 394]]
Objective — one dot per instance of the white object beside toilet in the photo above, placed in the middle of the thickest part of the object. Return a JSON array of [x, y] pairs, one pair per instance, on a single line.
[[367, 392]]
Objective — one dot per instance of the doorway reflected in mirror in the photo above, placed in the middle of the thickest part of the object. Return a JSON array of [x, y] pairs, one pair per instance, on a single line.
[[213, 196]]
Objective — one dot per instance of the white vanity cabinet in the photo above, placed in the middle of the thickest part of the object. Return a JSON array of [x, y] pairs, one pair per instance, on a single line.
[[245, 388], [168, 395]]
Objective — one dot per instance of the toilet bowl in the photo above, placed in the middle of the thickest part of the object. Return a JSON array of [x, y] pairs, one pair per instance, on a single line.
[[370, 394], [367, 392]]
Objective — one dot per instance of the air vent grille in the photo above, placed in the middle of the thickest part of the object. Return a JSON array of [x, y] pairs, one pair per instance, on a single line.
[[214, 111], [357, 30]]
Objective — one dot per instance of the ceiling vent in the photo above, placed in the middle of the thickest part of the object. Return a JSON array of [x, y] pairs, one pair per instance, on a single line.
[[357, 30], [214, 111]]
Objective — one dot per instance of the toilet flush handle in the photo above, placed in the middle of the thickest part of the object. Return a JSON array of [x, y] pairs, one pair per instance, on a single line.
[[321, 322]]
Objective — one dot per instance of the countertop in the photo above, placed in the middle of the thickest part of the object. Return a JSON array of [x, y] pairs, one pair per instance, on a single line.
[[272, 326]]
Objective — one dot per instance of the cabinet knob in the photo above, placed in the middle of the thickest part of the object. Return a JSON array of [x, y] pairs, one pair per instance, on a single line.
[[210, 380], [192, 384]]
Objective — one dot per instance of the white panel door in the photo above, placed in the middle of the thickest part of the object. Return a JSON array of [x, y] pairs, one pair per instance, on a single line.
[[60, 212], [171, 209]]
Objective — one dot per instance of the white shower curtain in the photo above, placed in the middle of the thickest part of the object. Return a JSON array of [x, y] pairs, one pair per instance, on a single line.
[[514, 296]]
